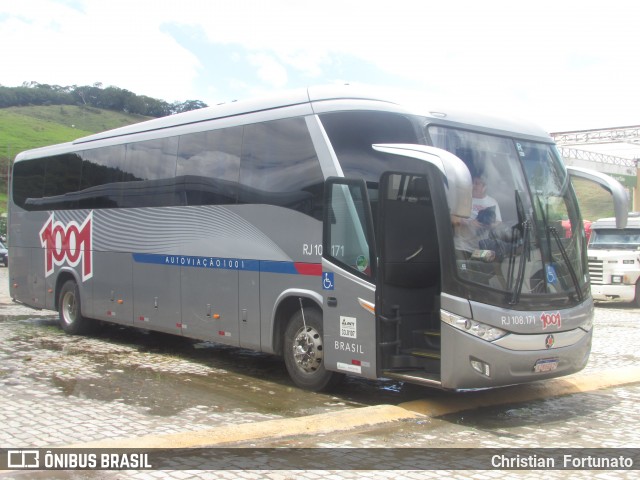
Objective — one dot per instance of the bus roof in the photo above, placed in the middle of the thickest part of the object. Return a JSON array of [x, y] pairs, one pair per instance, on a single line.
[[319, 99]]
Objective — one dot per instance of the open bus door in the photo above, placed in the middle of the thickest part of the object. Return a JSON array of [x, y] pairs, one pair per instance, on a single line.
[[348, 279], [381, 278], [408, 278], [381, 275], [409, 274]]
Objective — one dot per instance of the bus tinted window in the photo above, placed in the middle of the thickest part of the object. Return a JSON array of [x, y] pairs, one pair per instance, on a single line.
[[279, 167], [209, 166], [352, 134], [102, 166], [103, 170], [62, 174], [43, 183], [28, 180], [152, 166], [152, 160]]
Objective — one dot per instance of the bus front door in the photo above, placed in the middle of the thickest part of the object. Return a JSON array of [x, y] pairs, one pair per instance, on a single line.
[[348, 285], [408, 278]]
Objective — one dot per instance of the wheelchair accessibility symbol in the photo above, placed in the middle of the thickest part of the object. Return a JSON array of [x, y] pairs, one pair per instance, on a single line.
[[552, 277], [327, 281]]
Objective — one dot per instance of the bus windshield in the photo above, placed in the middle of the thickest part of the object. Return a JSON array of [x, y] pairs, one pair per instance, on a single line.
[[513, 240]]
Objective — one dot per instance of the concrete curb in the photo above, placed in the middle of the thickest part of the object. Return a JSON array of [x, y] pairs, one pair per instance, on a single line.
[[577, 383], [270, 429]]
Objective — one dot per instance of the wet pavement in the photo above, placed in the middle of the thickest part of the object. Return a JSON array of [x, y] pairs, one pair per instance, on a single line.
[[58, 390], [163, 375]]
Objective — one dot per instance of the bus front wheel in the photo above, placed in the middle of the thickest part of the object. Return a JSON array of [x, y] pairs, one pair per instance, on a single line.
[[304, 353], [70, 311]]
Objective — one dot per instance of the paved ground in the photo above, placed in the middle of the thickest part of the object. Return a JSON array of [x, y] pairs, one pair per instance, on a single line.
[[59, 390]]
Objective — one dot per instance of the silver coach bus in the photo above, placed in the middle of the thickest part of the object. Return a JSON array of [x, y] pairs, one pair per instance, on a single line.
[[326, 226]]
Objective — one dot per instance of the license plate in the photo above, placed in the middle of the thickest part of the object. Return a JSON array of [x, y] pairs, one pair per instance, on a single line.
[[545, 365]]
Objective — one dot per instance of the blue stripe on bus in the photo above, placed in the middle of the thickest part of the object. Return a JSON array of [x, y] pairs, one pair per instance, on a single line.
[[268, 266]]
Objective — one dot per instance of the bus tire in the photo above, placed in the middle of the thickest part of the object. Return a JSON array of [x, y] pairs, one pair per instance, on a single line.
[[303, 352], [70, 311]]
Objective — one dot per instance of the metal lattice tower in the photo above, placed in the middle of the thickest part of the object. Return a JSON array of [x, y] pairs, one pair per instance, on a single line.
[[567, 141], [576, 154], [628, 136]]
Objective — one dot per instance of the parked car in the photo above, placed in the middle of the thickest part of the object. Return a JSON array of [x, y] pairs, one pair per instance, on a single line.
[[4, 255]]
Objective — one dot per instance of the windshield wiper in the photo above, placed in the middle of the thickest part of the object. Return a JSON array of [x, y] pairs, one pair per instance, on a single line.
[[524, 226], [524, 255], [554, 233], [565, 257]]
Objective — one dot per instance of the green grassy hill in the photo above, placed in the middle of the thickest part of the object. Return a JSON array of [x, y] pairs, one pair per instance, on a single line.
[[24, 128], [594, 201]]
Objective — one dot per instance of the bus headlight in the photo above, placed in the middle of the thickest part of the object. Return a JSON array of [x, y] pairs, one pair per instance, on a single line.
[[477, 329]]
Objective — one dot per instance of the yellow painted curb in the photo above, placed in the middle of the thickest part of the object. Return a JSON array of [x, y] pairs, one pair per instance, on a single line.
[[270, 429], [577, 383]]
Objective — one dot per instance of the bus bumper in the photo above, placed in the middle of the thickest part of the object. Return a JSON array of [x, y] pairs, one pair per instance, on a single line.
[[484, 364]]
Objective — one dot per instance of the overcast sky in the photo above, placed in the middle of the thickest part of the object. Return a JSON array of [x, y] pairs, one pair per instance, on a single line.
[[566, 65]]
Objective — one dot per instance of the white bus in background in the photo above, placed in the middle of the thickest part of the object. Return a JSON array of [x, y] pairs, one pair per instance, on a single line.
[[614, 260], [323, 226]]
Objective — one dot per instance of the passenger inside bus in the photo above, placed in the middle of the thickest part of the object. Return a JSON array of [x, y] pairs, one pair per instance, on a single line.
[[480, 201], [470, 233]]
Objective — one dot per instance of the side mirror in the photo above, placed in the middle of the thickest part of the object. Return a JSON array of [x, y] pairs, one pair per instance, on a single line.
[[456, 175], [619, 194]]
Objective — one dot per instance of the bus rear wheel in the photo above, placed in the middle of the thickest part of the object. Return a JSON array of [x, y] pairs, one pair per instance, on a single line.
[[304, 352], [70, 311]]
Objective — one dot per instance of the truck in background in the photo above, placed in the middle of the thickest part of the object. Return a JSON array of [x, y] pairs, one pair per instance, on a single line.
[[614, 260]]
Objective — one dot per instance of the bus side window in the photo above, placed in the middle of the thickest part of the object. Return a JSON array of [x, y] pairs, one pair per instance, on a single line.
[[28, 181], [209, 166], [279, 167]]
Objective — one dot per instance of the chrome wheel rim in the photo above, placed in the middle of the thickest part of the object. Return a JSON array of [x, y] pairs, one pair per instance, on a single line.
[[307, 349], [69, 308]]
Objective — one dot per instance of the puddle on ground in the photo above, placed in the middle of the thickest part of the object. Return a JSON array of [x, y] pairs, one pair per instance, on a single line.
[[155, 373]]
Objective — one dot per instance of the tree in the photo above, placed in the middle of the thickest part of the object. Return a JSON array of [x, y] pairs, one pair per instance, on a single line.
[[135, 105], [188, 106], [110, 98]]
